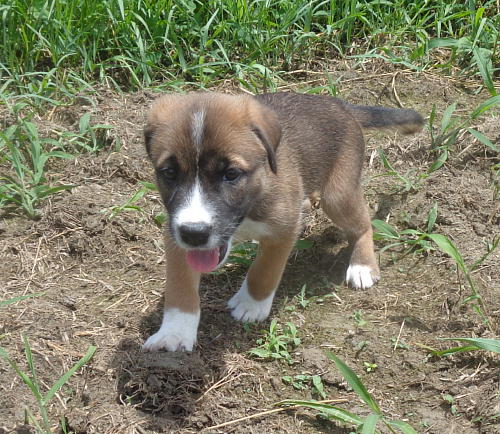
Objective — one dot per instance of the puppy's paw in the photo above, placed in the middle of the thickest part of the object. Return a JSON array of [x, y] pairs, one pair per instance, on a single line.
[[361, 276], [245, 308], [177, 332]]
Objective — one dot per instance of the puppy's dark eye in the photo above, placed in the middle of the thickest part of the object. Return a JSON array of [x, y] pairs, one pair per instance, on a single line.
[[231, 175], [169, 173]]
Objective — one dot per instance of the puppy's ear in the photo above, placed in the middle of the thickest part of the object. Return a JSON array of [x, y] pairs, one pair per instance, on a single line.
[[148, 135], [265, 125]]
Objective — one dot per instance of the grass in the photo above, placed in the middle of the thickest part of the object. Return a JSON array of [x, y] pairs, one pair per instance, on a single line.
[[446, 135], [32, 381], [27, 155], [425, 241], [277, 342], [473, 344], [364, 425], [138, 43]]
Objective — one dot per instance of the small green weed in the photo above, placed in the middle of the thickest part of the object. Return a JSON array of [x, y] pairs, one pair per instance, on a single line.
[[243, 253], [27, 154], [424, 241], [400, 344], [370, 367], [358, 318], [302, 299], [407, 182], [453, 405], [452, 126], [412, 240], [90, 138], [304, 381], [31, 380], [131, 204], [20, 298], [363, 425], [277, 342]]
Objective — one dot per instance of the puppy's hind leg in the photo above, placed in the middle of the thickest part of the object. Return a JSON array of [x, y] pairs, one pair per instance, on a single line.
[[254, 299], [342, 200]]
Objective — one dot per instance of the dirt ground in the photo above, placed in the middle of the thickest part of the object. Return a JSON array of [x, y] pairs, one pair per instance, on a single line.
[[102, 280]]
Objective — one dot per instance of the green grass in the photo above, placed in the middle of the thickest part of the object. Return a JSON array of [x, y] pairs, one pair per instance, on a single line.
[[42, 423], [137, 43], [277, 342], [365, 425], [425, 241], [27, 154]]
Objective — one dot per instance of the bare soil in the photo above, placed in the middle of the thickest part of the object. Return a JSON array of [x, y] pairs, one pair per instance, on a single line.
[[102, 278]]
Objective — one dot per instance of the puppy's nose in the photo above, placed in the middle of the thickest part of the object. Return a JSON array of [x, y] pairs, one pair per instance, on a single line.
[[195, 234]]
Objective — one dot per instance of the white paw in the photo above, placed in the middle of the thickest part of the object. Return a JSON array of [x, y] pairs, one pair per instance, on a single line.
[[360, 276], [245, 308], [177, 332]]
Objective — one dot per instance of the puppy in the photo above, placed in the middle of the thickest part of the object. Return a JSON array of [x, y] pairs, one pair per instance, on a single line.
[[239, 167]]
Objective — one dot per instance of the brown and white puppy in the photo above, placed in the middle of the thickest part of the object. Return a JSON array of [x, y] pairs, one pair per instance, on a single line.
[[239, 167]]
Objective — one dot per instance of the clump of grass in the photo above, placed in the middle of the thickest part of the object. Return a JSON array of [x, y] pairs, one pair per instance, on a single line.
[[413, 240], [16, 299], [31, 380], [304, 381], [89, 138], [418, 241], [277, 342], [446, 135], [26, 153], [132, 204], [364, 425], [407, 182]]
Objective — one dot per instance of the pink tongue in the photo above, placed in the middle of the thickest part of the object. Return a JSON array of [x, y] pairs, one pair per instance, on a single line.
[[203, 261]]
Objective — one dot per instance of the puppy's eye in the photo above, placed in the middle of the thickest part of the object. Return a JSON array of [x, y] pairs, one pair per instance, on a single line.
[[231, 175], [169, 173]]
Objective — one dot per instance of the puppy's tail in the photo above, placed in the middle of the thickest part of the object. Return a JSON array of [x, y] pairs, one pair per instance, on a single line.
[[405, 121]]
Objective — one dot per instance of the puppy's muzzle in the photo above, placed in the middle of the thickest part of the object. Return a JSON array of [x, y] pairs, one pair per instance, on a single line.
[[195, 234]]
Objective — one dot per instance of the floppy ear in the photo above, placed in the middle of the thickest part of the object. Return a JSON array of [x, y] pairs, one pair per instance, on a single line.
[[265, 125], [148, 135]]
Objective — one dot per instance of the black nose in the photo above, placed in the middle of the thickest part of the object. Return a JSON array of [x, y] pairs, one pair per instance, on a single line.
[[195, 234]]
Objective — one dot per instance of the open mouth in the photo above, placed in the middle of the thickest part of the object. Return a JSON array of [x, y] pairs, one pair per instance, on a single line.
[[206, 260]]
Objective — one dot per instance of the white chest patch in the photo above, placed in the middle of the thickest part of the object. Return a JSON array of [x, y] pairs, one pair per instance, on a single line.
[[252, 230]]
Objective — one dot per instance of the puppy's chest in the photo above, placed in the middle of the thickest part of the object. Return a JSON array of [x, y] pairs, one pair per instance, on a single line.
[[252, 230]]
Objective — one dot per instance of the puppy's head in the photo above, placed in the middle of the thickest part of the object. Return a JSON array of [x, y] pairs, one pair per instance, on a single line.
[[212, 154]]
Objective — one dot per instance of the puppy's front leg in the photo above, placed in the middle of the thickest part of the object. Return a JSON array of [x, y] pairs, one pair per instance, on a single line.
[[254, 299], [182, 304]]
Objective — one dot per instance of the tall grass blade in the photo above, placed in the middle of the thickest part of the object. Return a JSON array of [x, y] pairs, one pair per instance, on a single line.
[[404, 427], [328, 410], [370, 424], [354, 382], [16, 299], [64, 379], [492, 345]]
